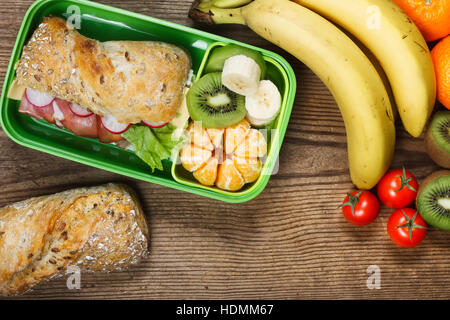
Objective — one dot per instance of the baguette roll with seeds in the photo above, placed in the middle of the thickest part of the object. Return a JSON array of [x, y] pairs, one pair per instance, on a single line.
[[97, 229]]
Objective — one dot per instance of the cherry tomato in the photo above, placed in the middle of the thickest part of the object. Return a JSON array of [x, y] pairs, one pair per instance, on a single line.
[[360, 207], [397, 189], [406, 228]]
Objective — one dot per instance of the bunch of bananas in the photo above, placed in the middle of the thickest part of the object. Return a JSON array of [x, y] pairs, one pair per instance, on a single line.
[[301, 28]]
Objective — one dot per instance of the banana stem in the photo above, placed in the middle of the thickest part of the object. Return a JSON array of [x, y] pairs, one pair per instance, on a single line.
[[207, 12]]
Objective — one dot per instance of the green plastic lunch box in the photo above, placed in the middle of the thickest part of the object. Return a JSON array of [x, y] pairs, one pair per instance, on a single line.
[[104, 23]]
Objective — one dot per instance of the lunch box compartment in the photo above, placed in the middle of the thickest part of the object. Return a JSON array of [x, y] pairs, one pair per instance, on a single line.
[[104, 23], [277, 74]]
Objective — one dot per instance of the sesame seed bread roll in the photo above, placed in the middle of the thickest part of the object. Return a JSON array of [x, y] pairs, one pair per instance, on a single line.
[[131, 80]]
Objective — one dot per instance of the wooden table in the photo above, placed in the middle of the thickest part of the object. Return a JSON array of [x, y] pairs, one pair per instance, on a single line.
[[291, 242]]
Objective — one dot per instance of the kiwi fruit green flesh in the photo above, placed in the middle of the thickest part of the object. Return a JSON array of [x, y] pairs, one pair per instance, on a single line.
[[214, 105], [433, 200], [437, 139], [217, 58]]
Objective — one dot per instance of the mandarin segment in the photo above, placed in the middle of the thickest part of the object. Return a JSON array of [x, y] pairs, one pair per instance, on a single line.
[[216, 136], [253, 146], [235, 134], [249, 168], [199, 137], [192, 157], [207, 175], [228, 177]]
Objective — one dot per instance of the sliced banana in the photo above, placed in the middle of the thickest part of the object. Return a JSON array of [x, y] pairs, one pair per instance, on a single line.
[[256, 122], [264, 105], [241, 74]]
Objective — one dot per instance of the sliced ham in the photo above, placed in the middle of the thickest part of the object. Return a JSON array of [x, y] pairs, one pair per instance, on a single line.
[[104, 135], [90, 126], [46, 113], [80, 126], [27, 108]]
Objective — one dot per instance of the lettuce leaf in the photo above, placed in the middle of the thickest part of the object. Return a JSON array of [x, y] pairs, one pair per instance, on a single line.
[[152, 145]]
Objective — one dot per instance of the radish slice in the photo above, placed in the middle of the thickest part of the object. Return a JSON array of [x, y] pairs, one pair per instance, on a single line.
[[79, 111], [154, 124], [37, 98], [112, 125]]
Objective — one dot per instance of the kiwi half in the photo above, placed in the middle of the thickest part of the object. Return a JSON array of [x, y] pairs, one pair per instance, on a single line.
[[433, 200], [210, 102], [217, 58], [437, 139]]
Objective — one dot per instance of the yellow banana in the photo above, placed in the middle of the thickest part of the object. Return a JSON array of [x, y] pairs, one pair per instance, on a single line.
[[399, 47], [340, 64]]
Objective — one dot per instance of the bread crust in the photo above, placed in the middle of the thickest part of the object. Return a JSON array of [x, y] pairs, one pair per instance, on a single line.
[[97, 229], [132, 80]]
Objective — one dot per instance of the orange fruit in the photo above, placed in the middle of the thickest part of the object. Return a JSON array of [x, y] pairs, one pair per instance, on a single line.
[[204, 153], [432, 17], [441, 60]]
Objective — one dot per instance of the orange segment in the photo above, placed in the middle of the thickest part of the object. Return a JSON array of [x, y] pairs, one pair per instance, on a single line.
[[235, 134], [432, 17], [249, 168], [193, 157], [253, 146], [216, 136], [228, 177], [208, 173], [441, 60], [199, 137]]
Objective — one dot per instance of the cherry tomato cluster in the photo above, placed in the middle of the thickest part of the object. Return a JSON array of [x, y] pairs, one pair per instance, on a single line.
[[397, 190]]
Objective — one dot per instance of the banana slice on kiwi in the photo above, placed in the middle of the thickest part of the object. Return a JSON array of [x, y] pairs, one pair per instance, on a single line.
[[437, 139], [212, 104], [433, 200]]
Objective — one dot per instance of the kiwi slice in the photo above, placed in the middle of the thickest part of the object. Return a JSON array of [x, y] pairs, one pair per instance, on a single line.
[[433, 200], [210, 102], [217, 59], [437, 139]]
